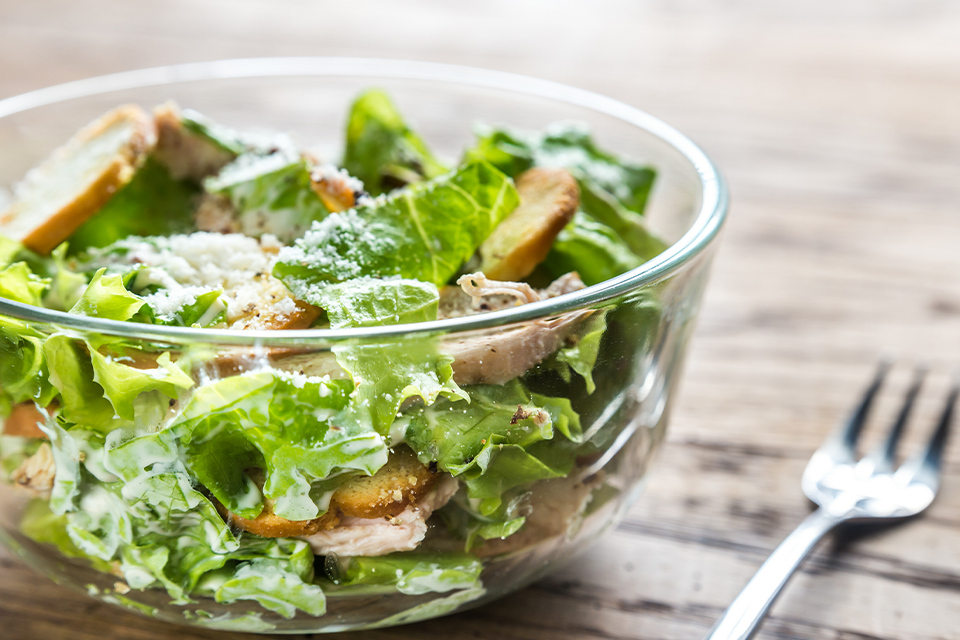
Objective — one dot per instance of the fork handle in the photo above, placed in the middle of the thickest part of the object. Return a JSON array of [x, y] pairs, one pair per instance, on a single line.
[[742, 619]]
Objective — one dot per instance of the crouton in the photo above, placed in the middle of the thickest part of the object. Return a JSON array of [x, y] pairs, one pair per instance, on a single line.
[[78, 179], [398, 484], [548, 200]]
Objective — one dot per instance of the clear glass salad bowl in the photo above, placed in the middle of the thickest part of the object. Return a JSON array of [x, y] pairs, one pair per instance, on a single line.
[[648, 314]]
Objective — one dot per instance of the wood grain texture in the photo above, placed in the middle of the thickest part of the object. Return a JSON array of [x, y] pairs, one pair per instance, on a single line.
[[836, 125]]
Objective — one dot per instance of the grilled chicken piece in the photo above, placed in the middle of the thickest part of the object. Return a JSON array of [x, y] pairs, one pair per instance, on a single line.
[[498, 357], [489, 358], [548, 199], [185, 154], [23, 420], [388, 493], [36, 473], [78, 179]]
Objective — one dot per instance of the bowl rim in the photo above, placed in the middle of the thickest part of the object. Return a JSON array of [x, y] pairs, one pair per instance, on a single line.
[[705, 227]]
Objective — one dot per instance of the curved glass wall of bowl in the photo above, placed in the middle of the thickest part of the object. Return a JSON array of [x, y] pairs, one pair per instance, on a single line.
[[648, 314]]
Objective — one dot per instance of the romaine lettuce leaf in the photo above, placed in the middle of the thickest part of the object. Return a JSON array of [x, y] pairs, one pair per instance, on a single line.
[[23, 369], [592, 249], [189, 306], [582, 357], [8, 250], [151, 204], [20, 284], [424, 232], [266, 581], [567, 145], [410, 573], [39, 523], [95, 386], [368, 302], [300, 437], [67, 287], [492, 443], [107, 297], [270, 193], [159, 531], [613, 190], [381, 150], [387, 374]]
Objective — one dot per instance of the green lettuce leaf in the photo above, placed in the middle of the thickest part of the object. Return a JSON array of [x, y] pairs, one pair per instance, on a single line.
[[67, 286], [270, 193], [410, 573], [151, 204], [159, 531], [424, 232], [299, 439], [567, 145], [381, 150], [39, 523], [23, 369], [582, 357], [591, 249], [368, 302], [492, 443], [107, 297], [613, 190], [267, 582], [388, 373], [8, 250], [186, 307], [20, 284]]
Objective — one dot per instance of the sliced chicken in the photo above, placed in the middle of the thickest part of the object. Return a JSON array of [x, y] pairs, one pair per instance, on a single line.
[[484, 358], [548, 199], [500, 356], [380, 536], [78, 179], [184, 153]]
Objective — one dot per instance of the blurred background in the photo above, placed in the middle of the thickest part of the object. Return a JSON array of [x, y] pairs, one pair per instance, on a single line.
[[836, 125]]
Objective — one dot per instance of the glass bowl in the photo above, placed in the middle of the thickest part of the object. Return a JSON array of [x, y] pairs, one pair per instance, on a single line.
[[649, 315]]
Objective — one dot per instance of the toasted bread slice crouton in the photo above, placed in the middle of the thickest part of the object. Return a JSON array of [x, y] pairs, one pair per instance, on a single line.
[[185, 154], [548, 200], [399, 483], [78, 179], [23, 420]]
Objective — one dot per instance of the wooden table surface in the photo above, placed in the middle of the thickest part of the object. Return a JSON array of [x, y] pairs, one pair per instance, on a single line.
[[836, 124]]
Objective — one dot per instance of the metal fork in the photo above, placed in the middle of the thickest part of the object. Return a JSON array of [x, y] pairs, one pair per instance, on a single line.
[[846, 489]]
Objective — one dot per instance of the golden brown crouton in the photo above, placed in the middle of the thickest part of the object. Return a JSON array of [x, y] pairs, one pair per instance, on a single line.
[[78, 179], [548, 200], [399, 483]]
